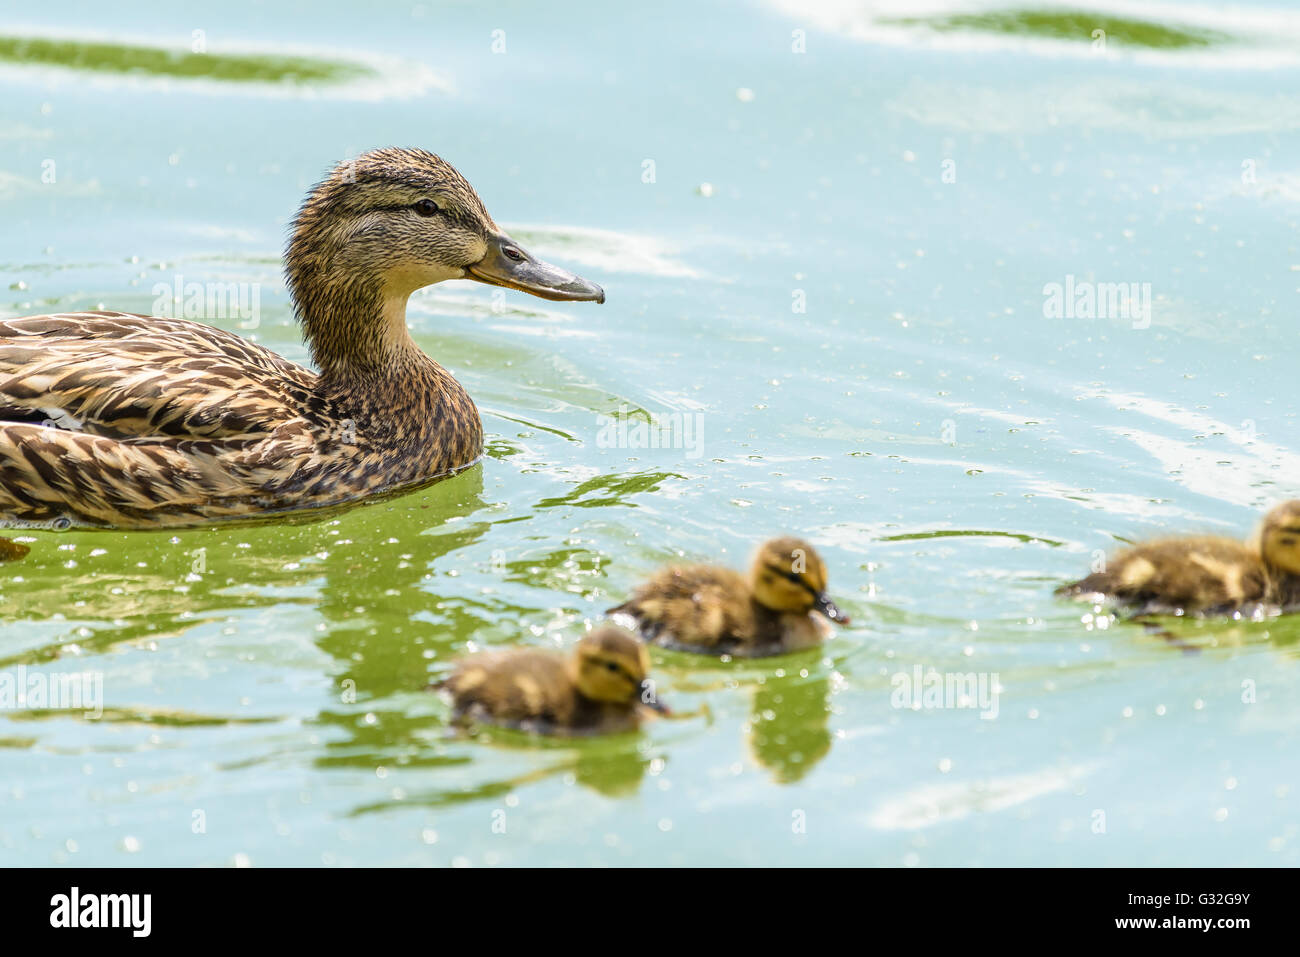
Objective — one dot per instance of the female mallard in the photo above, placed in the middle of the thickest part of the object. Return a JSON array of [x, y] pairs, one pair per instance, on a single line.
[[1205, 576], [599, 689], [117, 420], [782, 606]]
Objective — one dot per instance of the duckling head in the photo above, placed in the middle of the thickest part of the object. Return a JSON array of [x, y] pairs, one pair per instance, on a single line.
[[789, 576], [385, 224], [611, 665], [1279, 537]]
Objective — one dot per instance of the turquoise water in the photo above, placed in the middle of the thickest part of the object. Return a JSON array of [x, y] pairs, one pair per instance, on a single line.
[[955, 451]]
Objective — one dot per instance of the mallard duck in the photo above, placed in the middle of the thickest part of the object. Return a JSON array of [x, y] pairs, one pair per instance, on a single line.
[[599, 689], [117, 420], [781, 606], [1204, 576]]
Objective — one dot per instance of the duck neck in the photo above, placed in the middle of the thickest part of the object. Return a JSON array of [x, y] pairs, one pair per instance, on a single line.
[[767, 621], [1282, 580], [573, 673], [357, 333], [373, 373]]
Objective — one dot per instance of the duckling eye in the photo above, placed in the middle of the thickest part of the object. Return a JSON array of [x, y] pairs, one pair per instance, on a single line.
[[426, 207], [610, 666]]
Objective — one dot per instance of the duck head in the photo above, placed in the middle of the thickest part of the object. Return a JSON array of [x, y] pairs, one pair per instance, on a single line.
[[1279, 537], [385, 224], [788, 576], [611, 666]]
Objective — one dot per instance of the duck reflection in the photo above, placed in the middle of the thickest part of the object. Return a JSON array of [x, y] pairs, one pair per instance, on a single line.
[[100, 589], [613, 767], [789, 730]]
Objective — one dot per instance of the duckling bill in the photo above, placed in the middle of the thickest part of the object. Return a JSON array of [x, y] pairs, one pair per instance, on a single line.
[[1204, 576], [781, 606], [112, 419], [600, 689]]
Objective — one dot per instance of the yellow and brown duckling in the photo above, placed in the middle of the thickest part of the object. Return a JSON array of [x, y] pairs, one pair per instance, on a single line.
[[1205, 576], [600, 688], [781, 606], [116, 420]]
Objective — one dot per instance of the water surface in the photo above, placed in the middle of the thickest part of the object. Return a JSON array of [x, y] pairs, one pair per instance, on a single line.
[[825, 233]]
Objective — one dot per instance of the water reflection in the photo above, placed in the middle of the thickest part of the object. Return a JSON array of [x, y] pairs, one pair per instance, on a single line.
[[614, 766], [788, 732], [789, 727]]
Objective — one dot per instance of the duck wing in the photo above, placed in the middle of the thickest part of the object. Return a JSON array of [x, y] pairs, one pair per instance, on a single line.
[[53, 476], [121, 375], [1194, 574], [526, 688], [695, 607], [123, 420]]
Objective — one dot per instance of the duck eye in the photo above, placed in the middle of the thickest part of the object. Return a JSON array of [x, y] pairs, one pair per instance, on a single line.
[[513, 253], [610, 666], [426, 207]]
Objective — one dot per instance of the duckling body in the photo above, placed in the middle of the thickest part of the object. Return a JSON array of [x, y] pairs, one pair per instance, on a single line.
[[1204, 576], [597, 690], [780, 607], [118, 420]]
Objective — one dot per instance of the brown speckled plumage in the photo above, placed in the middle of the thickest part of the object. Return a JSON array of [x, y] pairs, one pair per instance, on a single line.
[[780, 607], [596, 690], [116, 420], [1204, 576]]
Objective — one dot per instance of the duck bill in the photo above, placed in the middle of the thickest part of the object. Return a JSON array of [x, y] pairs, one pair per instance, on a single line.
[[509, 264], [831, 610]]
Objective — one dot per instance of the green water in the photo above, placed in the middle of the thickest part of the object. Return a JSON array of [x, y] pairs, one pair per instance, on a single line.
[[104, 57], [850, 320], [1069, 25]]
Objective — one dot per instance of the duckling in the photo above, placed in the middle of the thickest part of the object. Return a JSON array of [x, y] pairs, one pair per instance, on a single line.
[[596, 690], [111, 419], [781, 606], [1205, 576]]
